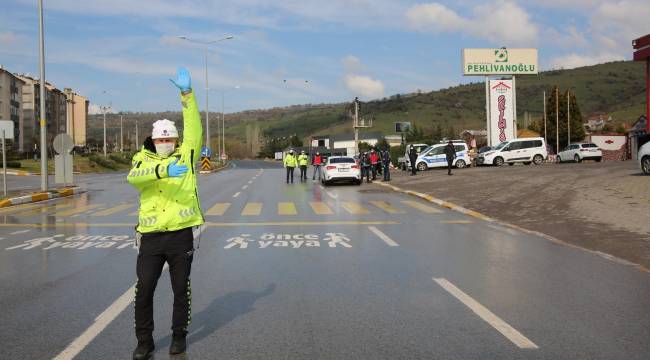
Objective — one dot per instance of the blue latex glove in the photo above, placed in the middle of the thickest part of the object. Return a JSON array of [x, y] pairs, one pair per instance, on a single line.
[[174, 170], [183, 80]]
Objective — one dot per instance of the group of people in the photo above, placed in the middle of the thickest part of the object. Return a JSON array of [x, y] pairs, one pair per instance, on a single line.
[[450, 154], [375, 163], [291, 161]]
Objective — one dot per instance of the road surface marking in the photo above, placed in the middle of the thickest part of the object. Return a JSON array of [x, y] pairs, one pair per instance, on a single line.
[[244, 187], [42, 209], [77, 210], [113, 210], [332, 195], [320, 208], [252, 209], [209, 224], [218, 209], [20, 232], [387, 207], [250, 181], [354, 208], [501, 326], [287, 208], [422, 207], [135, 213], [383, 236], [236, 194], [456, 222], [19, 208]]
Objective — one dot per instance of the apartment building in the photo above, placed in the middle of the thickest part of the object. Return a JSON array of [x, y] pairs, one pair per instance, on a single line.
[[11, 89], [77, 114]]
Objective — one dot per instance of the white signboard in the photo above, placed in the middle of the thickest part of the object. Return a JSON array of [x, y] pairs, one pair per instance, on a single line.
[[501, 125], [7, 128], [500, 61], [609, 142]]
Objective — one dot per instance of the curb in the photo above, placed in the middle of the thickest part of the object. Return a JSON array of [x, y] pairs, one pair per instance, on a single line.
[[213, 170], [20, 173], [478, 215], [41, 196]]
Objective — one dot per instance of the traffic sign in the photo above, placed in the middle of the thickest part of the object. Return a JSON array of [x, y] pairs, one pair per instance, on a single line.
[[63, 143], [206, 152], [205, 164]]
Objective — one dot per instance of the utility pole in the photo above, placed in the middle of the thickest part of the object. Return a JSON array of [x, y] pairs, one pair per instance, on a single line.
[[137, 142], [207, 110], [121, 136], [43, 127], [568, 117], [223, 124], [356, 126], [557, 120], [544, 103], [104, 108]]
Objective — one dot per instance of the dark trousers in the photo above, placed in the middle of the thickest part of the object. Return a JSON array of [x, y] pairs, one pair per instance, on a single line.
[[449, 163], [374, 171], [290, 174], [366, 173], [386, 172], [413, 166], [176, 248], [316, 170], [303, 172]]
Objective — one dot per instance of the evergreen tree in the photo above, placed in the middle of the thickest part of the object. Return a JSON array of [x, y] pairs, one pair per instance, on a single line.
[[552, 131]]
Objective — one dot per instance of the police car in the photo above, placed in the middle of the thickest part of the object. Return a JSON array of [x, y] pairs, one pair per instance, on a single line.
[[434, 156]]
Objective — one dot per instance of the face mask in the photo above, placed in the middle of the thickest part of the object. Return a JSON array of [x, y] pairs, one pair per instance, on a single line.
[[165, 149]]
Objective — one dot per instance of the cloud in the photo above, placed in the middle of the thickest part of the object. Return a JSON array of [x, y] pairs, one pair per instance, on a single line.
[[503, 22], [364, 86], [352, 64], [94, 109], [7, 38], [578, 60]]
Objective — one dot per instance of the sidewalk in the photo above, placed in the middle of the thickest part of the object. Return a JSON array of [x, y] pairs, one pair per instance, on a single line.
[[603, 207]]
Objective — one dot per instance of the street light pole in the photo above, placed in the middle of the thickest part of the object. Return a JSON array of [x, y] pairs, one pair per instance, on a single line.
[[137, 142], [121, 136], [43, 126], [104, 108], [223, 124]]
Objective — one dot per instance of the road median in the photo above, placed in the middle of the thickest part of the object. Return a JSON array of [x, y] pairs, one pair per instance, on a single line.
[[41, 196]]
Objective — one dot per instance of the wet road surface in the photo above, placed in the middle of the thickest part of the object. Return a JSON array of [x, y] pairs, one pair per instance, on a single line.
[[309, 272]]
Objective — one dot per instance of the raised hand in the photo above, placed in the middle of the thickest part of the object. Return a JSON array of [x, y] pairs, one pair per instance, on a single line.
[[183, 80]]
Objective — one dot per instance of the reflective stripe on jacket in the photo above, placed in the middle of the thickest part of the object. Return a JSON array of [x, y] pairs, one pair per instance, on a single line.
[[170, 203], [303, 160], [290, 161]]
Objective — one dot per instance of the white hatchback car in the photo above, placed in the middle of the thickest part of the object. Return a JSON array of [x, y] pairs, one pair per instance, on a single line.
[[644, 158], [434, 156], [579, 152], [341, 168]]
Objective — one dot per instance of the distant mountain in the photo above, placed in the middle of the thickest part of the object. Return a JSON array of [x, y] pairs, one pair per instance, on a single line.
[[616, 88]]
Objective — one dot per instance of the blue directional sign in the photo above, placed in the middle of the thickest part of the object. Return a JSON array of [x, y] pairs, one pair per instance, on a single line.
[[206, 152]]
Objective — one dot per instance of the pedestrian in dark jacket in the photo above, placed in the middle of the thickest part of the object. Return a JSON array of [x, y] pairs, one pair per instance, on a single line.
[[365, 165], [413, 156], [450, 153], [385, 162]]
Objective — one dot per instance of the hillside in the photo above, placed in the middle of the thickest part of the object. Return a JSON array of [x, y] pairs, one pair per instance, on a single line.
[[616, 88]]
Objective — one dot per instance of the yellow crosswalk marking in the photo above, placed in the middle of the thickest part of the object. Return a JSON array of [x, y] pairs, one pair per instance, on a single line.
[[320, 208], [12, 210], [456, 222], [252, 209], [425, 208], [135, 213], [387, 207], [42, 209], [77, 210], [113, 210], [287, 208], [218, 209], [354, 208]]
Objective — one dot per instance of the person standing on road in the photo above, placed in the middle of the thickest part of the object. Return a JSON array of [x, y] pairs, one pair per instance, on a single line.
[[163, 173], [290, 163], [317, 162], [385, 161], [413, 156], [374, 162], [303, 161], [365, 167], [450, 153]]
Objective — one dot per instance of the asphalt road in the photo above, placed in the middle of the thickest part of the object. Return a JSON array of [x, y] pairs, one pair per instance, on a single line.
[[305, 272]]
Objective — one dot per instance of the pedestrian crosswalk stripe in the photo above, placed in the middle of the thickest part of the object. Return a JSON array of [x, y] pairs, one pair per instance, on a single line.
[[422, 207], [287, 208], [135, 213], [252, 209], [320, 208], [42, 210], [387, 207], [354, 208], [218, 209], [77, 210], [18, 208], [113, 210]]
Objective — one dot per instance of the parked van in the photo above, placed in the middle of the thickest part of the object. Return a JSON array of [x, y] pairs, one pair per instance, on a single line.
[[434, 156], [523, 150], [403, 162]]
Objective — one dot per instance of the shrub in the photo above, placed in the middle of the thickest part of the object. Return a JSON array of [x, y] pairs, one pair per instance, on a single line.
[[101, 161], [12, 164], [120, 159]]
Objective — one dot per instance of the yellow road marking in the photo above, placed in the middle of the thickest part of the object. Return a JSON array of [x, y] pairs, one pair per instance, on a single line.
[[113, 210], [425, 208], [252, 209], [42, 209], [354, 208], [456, 222], [207, 224], [287, 208], [387, 207], [320, 208], [17, 208], [77, 210], [135, 213], [218, 209]]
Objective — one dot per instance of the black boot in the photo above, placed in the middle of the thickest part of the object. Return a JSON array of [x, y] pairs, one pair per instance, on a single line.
[[144, 350], [178, 346]]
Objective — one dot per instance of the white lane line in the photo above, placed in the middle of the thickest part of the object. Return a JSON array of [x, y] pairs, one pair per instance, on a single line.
[[250, 181], [244, 187], [236, 194], [501, 326], [381, 235], [106, 317], [20, 232], [330, 194]]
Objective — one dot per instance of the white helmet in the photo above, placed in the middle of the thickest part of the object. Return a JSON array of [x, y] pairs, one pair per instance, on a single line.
[[164, 129]]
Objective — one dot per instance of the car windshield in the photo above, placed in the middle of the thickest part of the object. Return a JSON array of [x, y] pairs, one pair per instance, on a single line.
[[500, 146], [342, 160]]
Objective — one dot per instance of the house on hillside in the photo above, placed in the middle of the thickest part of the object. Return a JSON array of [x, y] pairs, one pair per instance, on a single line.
[[597, 121]]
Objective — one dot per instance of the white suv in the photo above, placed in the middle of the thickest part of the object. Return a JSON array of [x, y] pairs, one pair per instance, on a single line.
[[644, 158], [434, 156], [524, 150], [579, 152]]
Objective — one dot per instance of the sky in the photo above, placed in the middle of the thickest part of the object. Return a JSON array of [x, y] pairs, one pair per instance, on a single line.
[[286, 52]]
